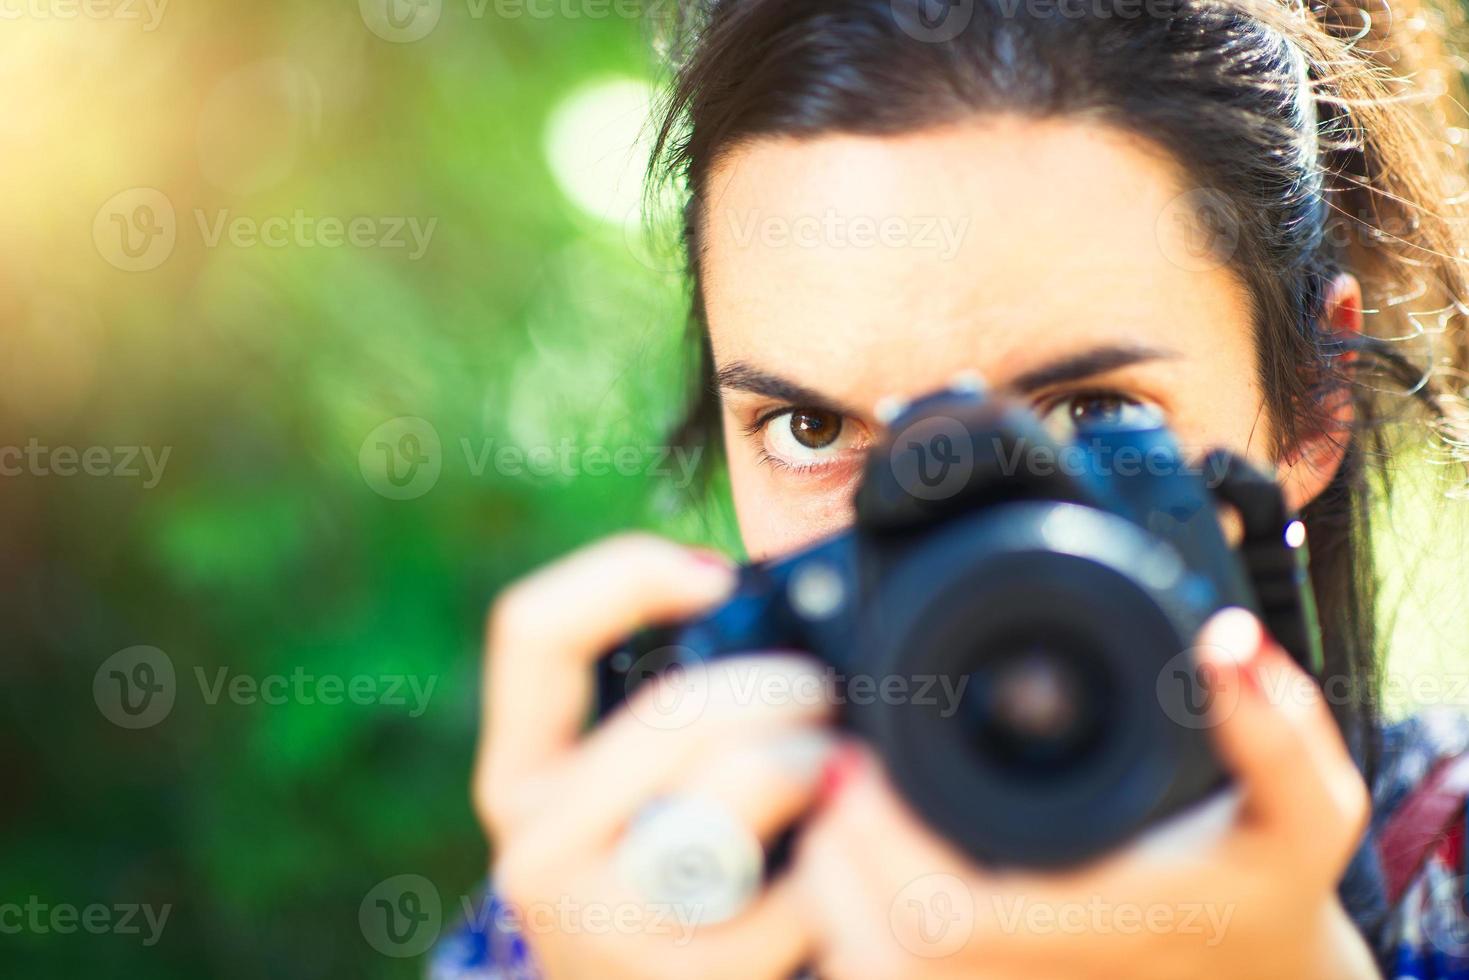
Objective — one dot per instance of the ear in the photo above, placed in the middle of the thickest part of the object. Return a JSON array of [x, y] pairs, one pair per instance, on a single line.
[[1309, 466]]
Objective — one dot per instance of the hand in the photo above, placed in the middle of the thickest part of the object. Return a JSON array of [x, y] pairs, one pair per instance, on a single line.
[[556, 803], [1258, 899]]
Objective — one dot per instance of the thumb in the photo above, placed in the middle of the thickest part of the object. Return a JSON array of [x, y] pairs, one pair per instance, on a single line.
[[1274, 732]]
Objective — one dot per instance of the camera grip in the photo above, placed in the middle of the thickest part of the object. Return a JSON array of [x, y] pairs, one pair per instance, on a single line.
[[1275, 557]]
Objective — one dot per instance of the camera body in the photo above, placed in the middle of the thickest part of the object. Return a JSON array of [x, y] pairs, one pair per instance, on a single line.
[[1011, 620]]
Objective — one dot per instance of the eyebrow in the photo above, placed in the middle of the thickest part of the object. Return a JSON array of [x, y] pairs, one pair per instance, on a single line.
[[740, 376], [1087, 364]]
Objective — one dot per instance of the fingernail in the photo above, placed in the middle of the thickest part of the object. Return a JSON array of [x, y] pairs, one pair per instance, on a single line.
[[1235, 636], [841, 767], [714, 569], [806, 754], [712, 558], [716, 566]]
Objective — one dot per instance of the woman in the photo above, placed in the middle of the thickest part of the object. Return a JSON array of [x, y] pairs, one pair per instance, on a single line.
[[1216, 212]]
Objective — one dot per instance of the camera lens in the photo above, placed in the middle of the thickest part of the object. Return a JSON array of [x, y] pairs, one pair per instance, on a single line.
[[1041, 740], [1036, 710]]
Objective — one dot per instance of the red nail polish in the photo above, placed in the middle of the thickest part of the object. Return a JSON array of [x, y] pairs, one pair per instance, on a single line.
[[707, 556], [838, 772], [1249, 676]]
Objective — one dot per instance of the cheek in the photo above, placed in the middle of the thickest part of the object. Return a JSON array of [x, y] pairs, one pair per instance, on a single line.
[[1225, 413], [779, 512]]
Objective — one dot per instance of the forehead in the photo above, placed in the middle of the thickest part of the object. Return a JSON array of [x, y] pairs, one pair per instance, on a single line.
[[881, 265]]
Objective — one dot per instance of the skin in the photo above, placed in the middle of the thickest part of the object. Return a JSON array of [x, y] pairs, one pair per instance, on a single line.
[[1075, 243], [1069, 245]]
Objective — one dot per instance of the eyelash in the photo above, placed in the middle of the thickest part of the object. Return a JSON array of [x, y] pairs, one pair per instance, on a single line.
[[780, 465], [1042, 408], [1045, 406], [756, 429]]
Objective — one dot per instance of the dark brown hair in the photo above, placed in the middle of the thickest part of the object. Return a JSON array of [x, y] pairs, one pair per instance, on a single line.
[[1325, 132]]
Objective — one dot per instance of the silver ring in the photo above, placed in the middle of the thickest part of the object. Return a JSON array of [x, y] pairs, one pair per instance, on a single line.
[[693, 853]]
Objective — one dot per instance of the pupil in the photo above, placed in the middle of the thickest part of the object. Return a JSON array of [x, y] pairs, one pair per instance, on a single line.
[[1097, 410], [815, 429]]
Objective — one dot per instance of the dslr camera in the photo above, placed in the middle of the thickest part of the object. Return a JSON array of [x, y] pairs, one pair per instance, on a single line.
[[1053, 589]]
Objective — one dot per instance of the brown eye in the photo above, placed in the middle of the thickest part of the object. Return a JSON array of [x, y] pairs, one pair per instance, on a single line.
[[807, 438], [815, 429], [1098, 410]]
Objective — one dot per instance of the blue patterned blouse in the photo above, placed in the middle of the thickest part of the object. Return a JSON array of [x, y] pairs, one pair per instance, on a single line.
[[1405, 888]]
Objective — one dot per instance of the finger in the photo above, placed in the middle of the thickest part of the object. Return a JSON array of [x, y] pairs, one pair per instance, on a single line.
[[851, 938], [767, 785], [643, 751], [772, 938], [878, 875], [1276, 734], [863, 806], [546, 631]]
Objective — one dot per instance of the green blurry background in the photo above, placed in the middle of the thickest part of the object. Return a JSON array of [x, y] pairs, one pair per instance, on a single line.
[[535, 319], [341, 495]]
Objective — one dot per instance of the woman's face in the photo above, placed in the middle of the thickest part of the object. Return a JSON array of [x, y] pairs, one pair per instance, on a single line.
[[1062, 261]]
